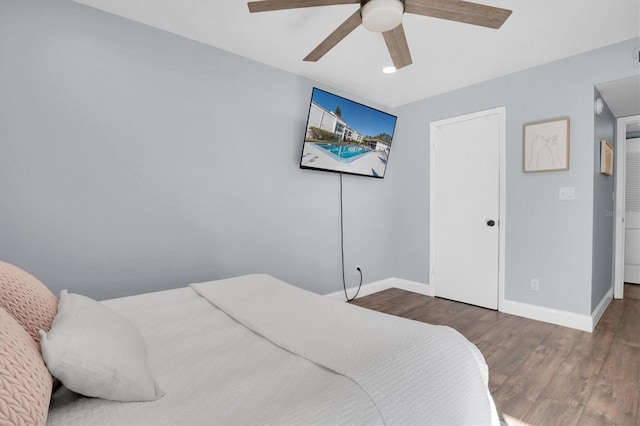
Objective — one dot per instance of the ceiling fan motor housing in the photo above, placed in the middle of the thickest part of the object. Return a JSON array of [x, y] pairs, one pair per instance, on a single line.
[[381, 15]]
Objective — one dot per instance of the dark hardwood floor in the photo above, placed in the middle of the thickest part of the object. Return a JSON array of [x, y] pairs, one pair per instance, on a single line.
[[539, 373]]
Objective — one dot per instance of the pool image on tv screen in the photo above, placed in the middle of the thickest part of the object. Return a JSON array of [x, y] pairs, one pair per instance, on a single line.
[[344, 136]]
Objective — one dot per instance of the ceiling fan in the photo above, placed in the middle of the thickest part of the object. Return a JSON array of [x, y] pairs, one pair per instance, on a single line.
[[385, 16]]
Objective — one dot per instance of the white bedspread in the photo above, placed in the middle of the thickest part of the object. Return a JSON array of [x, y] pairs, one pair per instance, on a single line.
[[215, 371], [415, 373], [320, 361]]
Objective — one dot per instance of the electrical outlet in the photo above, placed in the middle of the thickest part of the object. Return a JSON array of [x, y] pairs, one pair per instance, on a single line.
[[357, 271], [535, 284]]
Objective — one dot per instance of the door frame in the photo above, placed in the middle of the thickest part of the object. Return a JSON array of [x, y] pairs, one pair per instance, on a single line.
[[619, 235], [501, 112]]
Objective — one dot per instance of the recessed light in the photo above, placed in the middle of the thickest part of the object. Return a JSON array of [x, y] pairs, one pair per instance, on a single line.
[[389, 70]]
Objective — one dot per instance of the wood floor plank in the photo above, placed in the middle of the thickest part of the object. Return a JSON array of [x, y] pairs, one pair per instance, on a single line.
[[622, 362], [510, 353], [520, 391], [474, 329], [506, 361], [613, 314], [587, 355], [503, 331], [590, 421], [629, 332], [564, 399], [530, 336], [488, 349], [614, 402], [615, 396], [563, 413], [563, 339], [632, 291], [539, 373], [496, 380]]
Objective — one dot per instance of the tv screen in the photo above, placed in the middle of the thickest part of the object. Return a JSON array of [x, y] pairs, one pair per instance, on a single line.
[[344, 136]]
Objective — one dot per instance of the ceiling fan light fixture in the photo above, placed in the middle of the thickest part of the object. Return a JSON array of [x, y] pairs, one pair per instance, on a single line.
[[382, 15]]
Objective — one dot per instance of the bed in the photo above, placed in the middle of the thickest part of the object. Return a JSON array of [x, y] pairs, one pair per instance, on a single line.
[[255, 350]]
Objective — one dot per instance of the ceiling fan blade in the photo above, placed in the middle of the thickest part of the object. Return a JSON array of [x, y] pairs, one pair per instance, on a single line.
[[460, 11], [335, 37], [398, 47], [267, 5]]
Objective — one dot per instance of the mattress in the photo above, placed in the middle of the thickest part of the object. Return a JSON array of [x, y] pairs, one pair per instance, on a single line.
[[243, 351]]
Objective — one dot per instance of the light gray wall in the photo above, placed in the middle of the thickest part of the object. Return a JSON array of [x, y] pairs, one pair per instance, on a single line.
[[603, 208], [546, 238], [133, 160]]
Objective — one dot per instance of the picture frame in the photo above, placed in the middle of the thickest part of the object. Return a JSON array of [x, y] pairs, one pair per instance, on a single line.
[[545, 145], [606, 158]]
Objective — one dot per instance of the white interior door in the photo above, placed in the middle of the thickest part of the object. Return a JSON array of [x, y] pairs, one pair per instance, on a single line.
[[632, 212], [465, 207]]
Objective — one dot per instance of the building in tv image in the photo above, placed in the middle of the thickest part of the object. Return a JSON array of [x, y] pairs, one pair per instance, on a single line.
[[347, 137]]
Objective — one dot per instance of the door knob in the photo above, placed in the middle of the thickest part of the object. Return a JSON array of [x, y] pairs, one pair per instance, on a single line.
[[491, 222]]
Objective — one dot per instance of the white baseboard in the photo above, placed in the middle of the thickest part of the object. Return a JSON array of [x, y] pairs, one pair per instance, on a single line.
[[413, 286], [550, 315], [381, 285], [558, 317], [538, 313], [599, 310]]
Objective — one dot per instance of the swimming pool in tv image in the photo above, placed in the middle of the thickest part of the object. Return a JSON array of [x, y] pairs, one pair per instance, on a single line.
[[345, 153], [346, 137]]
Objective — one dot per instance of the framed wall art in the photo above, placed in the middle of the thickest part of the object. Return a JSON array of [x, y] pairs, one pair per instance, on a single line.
[[546, 145], [606, 158]]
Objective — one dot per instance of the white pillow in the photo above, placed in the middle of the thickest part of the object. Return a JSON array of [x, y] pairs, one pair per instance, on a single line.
[[96, 352]]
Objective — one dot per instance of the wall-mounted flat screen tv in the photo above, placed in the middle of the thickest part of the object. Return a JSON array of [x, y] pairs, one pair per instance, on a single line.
[[344, 136]]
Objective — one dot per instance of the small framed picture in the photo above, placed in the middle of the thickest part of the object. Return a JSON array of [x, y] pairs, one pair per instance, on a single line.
[[606, 158], [545, 146]]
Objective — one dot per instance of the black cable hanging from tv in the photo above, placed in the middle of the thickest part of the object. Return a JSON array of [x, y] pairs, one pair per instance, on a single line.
[[344, 281]]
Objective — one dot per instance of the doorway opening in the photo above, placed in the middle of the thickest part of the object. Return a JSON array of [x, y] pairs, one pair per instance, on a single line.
[[623, 98]]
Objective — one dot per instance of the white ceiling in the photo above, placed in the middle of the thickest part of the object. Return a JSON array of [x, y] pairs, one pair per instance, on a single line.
[[446, 55], [622, 96]]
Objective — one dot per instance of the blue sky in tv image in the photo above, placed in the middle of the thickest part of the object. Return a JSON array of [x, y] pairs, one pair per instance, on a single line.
[[365, 120]]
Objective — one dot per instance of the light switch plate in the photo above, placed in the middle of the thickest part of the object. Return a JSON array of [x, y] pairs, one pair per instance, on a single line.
[[567, 193]]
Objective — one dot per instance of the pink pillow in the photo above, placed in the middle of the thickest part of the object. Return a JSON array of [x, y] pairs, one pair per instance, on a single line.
[[25, 382], [27, 299]]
